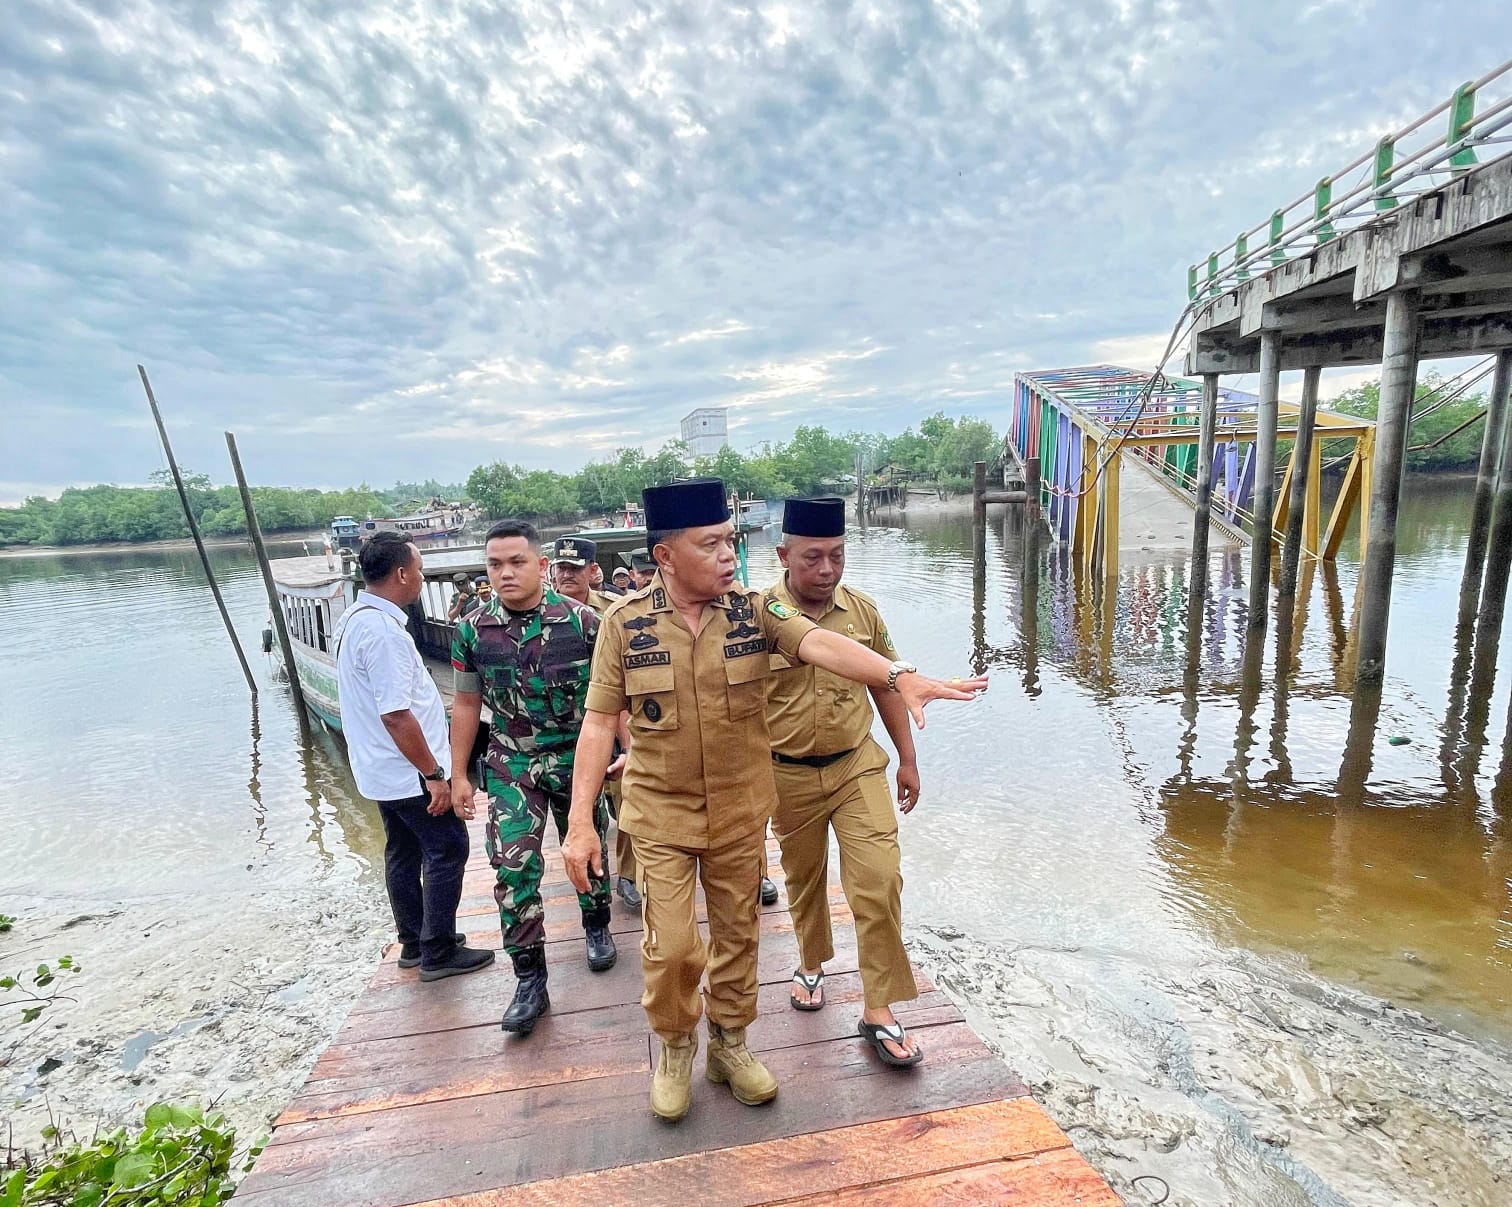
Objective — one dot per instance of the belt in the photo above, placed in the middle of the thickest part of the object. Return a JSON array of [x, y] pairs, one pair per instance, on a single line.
[[811, 760]]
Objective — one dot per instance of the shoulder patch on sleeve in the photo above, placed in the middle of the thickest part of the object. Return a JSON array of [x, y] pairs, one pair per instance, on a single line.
[[887, 639], [780, 610]]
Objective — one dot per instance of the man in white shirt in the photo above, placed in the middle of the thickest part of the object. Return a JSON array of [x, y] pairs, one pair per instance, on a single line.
[[395, 729]]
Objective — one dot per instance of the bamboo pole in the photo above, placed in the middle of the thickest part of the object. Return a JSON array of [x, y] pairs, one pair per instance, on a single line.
[[199, 541], [1202, 517], [255, 532], [1301, 517]]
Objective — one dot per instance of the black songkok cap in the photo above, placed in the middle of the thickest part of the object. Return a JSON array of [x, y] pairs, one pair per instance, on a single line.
[[813, 517], [693, 504]]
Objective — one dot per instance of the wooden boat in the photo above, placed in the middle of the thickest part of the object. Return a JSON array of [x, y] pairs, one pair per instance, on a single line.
[[314, 592], [752, 515], [422, 525], [345, 532]]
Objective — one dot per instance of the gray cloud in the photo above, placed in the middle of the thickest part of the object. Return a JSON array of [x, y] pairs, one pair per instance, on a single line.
[[395, 240]]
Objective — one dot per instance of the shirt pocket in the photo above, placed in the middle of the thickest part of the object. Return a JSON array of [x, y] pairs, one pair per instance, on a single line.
[[565, 685], [653, 698], [745, 682]]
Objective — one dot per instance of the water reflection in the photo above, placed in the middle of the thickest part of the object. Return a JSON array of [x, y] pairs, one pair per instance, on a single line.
[[1295, 811]]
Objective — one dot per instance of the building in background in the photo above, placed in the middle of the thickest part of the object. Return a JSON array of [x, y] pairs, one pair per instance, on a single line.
[[706, 431]]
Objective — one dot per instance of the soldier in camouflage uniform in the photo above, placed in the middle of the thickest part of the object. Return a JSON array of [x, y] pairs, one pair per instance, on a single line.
[[527, 654]]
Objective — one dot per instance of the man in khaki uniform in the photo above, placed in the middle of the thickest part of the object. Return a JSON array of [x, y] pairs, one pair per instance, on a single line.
[[688, 657], [572, 560], [831, 774]]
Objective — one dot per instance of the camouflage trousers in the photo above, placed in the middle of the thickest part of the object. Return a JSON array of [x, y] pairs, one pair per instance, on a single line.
[[520, 798]]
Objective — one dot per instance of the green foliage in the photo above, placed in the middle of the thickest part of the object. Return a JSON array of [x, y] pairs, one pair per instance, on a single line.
[[1460, 451], [91, 514], [6, 922], [32, 993], [814, 460], [180, 1157]]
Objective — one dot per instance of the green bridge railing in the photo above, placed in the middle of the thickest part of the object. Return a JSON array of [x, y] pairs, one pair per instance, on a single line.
[[1399, 167]]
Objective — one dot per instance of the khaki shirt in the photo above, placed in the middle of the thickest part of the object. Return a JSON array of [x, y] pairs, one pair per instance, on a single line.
[[700, 768], [600, 602], [811, 711]]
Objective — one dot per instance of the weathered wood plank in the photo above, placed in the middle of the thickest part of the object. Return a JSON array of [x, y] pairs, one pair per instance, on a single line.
[[1059, 1176], [462, 1145], [351, 1078], [820, 1163]]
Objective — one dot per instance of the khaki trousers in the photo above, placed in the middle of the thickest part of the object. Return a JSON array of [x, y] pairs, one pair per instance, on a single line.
[[674, 957], [852, 798], [624, 852]]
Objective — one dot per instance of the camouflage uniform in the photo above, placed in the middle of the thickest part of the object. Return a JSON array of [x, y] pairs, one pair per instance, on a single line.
[[532, 670]]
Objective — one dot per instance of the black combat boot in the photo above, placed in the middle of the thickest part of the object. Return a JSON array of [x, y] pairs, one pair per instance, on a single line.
[[768, 892], [530, 999], [601, 950]]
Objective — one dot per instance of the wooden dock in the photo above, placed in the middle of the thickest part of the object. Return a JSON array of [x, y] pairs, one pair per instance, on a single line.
[[421, 1099]]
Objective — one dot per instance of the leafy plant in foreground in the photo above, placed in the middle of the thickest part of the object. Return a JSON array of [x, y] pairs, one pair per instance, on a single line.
[[181, 1157]]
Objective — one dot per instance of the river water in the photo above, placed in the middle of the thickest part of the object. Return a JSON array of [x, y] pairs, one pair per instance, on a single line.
[[1230, 940]]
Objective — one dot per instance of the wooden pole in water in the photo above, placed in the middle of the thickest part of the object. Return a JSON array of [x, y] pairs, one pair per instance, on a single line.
[[199, 541], [1032, 492], [979, 493], [1265, 478], [255, 532], [1399, 366], [1302, 482], [1202, 517]]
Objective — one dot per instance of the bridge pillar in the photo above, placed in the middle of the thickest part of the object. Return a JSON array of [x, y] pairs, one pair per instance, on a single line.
[[1197, 574], [1265, 478], [1398, 387], [1304, 486], [1493, 591], [1485, 490]]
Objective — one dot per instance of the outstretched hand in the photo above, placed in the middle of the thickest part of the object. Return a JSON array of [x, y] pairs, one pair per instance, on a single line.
[[918, 690]]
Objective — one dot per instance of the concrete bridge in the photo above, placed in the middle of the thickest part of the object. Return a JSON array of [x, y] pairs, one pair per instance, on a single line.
[[1412, 261]]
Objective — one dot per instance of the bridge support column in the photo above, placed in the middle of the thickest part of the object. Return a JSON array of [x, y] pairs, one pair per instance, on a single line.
[[1493, 591], [1398, 386], [1485, 490], [1197, 573], [1265, 478], [1304, 486]]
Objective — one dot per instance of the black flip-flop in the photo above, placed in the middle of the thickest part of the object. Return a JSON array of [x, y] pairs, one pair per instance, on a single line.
[[814, 984], [875, 1033]]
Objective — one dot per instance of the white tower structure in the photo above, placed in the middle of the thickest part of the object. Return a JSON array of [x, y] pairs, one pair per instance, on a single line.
[[706, 430]]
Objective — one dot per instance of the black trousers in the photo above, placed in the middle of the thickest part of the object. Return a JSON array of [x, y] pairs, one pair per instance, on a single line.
[[423, 861]]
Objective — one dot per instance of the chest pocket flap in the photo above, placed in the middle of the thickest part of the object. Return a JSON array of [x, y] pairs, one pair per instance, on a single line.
[[653, 697], [745, 679]]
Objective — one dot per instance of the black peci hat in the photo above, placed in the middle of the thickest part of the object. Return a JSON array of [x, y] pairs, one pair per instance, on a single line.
[[813, 517], [693, 504]]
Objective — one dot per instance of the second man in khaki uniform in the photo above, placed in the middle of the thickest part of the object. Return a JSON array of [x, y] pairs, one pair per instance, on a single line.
[[688, 657], [831, 775]]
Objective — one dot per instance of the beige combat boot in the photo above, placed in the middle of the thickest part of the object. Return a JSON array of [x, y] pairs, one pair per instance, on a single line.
[[672, 1083], [731, 1061]]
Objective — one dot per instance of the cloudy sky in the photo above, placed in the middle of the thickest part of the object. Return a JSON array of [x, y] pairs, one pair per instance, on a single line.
[[384, 240]]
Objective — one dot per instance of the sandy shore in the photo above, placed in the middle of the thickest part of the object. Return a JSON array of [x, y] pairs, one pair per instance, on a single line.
[[185, 1000]]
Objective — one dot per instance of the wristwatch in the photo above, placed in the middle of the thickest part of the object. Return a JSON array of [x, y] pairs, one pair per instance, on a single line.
[[437, 774], [896, 669]]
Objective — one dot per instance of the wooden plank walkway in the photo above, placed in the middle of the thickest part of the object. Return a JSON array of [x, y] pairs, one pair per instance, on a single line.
[[421, 1099]]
